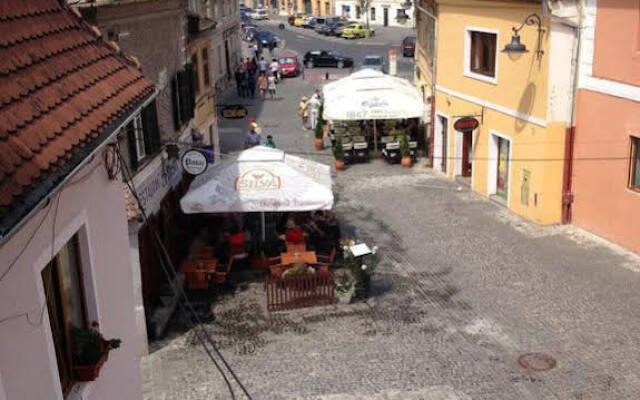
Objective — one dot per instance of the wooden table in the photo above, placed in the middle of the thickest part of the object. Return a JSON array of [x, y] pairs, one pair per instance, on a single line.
[[197, 272], [306, 257]]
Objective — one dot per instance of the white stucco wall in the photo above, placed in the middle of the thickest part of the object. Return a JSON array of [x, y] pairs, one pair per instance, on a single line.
[[93, 207], [379, 5]]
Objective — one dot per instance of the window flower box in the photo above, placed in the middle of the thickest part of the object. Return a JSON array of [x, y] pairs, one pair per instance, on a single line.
[[90, 350]]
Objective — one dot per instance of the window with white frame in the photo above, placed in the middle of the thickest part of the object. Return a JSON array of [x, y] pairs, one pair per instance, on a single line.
[[139, 137], [481, 54], [373, 13]]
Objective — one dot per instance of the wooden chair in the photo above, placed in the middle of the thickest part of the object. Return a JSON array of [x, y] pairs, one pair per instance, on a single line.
[[327, 258], [220, 274]]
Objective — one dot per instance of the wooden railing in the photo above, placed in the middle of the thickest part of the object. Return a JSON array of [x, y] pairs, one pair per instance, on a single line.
[[300, 291]]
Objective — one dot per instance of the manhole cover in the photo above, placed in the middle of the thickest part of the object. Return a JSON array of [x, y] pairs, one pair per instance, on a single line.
[[537, 362]]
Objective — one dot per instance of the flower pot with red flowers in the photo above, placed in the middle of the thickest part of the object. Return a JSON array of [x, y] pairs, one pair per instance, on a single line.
[[90, 350]]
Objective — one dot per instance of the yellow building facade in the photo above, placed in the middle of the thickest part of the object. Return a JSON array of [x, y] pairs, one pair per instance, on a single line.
[[516, 153]]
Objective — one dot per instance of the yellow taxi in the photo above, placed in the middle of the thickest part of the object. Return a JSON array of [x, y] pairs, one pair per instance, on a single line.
[[299, 20], [355, 31]]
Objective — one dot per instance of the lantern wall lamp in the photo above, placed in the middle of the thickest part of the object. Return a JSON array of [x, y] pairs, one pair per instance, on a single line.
[[515, 47]]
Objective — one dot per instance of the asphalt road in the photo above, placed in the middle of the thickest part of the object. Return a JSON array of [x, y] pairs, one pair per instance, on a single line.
[[302, 40]]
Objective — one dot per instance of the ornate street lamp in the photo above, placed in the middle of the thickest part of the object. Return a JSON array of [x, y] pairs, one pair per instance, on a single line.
[[515, 47]]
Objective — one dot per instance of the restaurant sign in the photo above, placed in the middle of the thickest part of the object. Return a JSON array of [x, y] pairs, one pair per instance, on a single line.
[[234, 112], [466, 124], [194, 162], [259, 180]]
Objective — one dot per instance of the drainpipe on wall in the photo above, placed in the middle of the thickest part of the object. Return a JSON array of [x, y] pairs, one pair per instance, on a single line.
[[567, 194]]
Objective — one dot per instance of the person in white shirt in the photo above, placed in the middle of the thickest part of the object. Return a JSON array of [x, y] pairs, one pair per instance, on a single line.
[[273, 69], [262, 65], [313, 106]]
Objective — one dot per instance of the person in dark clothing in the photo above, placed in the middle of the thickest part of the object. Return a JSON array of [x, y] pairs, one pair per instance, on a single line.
[[272, 46], [238, 77], [251, 83], [244, 84]]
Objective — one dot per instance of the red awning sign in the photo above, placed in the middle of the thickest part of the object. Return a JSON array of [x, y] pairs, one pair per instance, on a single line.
[[466, 124]]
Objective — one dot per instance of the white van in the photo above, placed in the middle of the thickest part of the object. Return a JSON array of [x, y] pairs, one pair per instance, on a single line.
[[260, 13]]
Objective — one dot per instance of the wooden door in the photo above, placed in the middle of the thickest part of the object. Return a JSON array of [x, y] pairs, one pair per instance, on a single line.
[[466, 153]]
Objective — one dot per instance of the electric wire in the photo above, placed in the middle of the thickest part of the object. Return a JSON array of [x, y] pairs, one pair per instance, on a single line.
[[186, 305]]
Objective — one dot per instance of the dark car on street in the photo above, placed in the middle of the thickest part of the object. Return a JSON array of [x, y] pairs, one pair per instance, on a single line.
[[322, 23], [339, 27], [408, 46], [265, 37], [323, 58]]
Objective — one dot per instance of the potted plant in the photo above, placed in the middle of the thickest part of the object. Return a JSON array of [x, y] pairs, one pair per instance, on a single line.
[[345, 287], [319, 130], [338, 153], [405, 151], [90, 350]]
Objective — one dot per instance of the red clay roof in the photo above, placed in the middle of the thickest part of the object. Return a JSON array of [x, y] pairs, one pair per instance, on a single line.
[[61, 87]]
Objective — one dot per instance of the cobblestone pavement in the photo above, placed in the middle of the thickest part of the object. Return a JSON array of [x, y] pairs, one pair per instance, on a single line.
[[462, 291]]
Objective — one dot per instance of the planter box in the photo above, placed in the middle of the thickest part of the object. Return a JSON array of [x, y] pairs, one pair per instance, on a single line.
[[345, 298], [88, 373]]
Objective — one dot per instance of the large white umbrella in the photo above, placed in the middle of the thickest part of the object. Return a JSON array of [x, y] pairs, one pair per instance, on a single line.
[[260, 179], [370, 94]]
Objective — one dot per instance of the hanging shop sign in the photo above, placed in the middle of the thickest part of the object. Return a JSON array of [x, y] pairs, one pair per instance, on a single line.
[[234, 112], [194, 162], [466, 124]]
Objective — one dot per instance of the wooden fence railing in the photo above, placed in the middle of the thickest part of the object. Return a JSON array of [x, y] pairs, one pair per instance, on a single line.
[[300, 291]]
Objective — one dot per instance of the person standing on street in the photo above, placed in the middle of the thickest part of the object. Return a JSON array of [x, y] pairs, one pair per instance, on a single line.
[[302, 111], [255, 50], [271, 85], [253, 137], [270, 142], [244, 83], [251, 83], [238, 77], [313, 106], [273, 69], [262, 65], [262, 85], [272, 46]]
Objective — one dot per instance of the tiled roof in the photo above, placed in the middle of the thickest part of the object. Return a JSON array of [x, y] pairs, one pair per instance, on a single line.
[[63, 89]]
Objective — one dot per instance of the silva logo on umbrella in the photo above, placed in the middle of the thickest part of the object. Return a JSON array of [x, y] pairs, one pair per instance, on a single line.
[[375, 102], [258, 180]]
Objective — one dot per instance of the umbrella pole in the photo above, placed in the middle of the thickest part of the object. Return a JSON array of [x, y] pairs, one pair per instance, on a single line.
[[262, 223], [375, 137]]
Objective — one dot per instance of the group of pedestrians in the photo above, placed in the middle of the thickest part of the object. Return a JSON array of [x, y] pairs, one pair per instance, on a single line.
[[309, 109], [262, 75], [253, 138]]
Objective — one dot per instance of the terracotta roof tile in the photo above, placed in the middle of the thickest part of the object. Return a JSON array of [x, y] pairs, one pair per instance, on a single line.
[[61, 86]]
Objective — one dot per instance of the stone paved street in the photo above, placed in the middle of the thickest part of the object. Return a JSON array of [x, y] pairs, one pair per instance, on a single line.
[[462, 291]]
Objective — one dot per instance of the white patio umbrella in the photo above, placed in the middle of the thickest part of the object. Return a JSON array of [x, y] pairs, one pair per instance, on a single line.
[[260, 179], [370, 94]]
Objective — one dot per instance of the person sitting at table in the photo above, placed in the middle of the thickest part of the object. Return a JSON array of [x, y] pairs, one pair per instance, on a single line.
[[294, 233]]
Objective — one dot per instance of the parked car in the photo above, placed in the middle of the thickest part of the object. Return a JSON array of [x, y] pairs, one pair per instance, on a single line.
[[323, 58], [309, 23], [266, 37], [374, 62], [292, 18], [335, 28], [248, 32], [260, 13], [319, 22], [299, 20], [357, 30], [289, 64], [408, 46]]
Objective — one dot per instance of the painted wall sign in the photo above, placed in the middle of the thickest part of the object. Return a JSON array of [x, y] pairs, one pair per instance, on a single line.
[[194, 162], [466, 124], [234, 112]]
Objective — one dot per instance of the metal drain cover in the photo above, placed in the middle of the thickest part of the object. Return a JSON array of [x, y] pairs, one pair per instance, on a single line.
[[537, 362]]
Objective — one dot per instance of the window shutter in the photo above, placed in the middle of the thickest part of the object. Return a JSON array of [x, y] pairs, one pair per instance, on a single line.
[[150, 128], [175, 102], [191, 84], [131, 143]]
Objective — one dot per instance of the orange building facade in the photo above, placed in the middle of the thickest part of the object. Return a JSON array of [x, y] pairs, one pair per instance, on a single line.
[[605, 168]]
